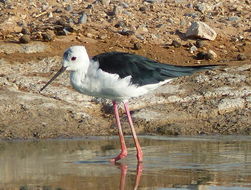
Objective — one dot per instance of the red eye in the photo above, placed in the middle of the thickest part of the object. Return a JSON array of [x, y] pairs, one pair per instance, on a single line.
[[73, 58]]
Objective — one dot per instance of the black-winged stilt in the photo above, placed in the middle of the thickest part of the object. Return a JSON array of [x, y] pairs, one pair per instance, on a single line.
[[118, 76]]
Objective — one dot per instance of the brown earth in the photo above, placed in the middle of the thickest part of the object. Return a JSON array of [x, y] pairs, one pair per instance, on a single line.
[[61, 112]]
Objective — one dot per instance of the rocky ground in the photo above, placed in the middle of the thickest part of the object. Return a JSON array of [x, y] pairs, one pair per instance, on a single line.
[[34, 35]]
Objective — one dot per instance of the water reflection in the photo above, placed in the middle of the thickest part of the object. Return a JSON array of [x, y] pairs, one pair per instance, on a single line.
[[170, 163], [123, 171]]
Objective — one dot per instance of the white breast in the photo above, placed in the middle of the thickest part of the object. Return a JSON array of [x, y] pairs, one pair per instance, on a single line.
[[98, 83]]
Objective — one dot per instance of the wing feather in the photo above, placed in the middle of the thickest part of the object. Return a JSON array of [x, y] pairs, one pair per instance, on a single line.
[[142, 70]]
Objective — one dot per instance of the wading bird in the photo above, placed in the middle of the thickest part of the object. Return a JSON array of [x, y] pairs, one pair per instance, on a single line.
[[118, 76]]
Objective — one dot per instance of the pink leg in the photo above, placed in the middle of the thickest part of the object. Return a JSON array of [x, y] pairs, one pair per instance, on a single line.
[[123, 152], [136, 141]]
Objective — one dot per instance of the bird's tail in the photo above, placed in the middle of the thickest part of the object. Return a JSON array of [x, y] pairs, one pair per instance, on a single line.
[[178, 71]]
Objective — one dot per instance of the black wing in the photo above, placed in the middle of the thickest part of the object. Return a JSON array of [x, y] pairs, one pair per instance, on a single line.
[[143, 70]]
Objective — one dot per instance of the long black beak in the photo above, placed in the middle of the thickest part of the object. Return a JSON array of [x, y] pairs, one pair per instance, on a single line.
[[62, 69]]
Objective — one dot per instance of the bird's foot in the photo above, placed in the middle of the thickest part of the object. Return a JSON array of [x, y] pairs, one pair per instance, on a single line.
[[120, 156]]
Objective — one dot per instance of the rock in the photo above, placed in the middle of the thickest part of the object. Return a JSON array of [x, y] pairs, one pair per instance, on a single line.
[[25, 39], [150, 1], [69, 8], [233, 18], [82, 19], [137, 46], [65, 31], [203, 7], [25, 31], [124, 5], [200, 43], [139, 36], [180, 1], [120, 24], [200, 55], [192, 15], [117, 10], [45, 7], [192, 49], [50, 15], [105, 2], [102, 36], [58, 10], [61, 22], [126, 32], [142, 9], [141, 29], [89, 35], [176, 44], [201, 30], [206, 55], [48, 36], [211, 54], [241, 57]]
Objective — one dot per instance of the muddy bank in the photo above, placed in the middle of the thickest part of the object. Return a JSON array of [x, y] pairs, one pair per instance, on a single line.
[[210, 102]]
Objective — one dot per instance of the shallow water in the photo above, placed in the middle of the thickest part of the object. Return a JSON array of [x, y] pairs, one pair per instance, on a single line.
[[170, 163]]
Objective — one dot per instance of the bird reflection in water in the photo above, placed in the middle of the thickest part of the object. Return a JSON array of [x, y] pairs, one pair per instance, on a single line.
[[123, 170]]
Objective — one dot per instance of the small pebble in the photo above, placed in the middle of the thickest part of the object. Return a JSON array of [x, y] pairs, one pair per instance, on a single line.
[[126, 32], [211, 54], [69, 8], [241, 57], [193, 49], [50, 15], [25, 39], [58, 10], [150, 1], [89, 35], [234, 18], [61, 22], [139, 36], [142, 9], [206, 56], [137, 46], [201, 55], [124, 5], [200, 43], [201, 7], [82, 19], [102, 36], [105, 2], [120, 24], [90, 6], [25, 31], [117, 10], [176, 44], [47, 37]]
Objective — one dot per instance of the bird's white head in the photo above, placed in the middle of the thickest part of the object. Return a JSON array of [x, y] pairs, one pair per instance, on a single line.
[[76, 58]]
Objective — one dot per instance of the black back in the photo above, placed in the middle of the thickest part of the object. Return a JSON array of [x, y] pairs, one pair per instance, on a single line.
[[143, 70]]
